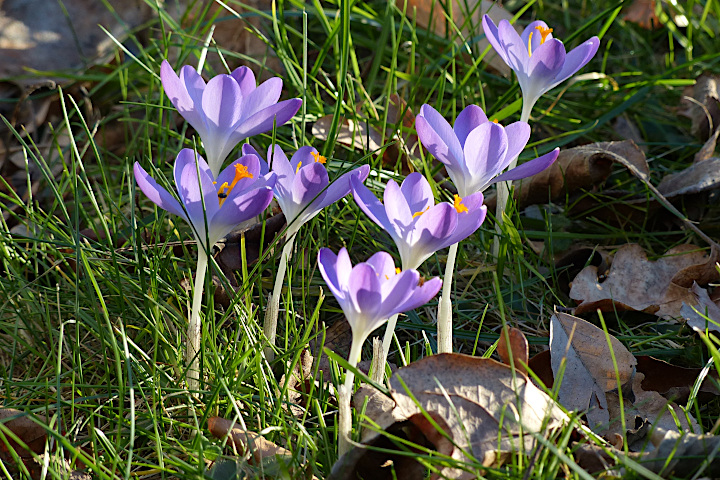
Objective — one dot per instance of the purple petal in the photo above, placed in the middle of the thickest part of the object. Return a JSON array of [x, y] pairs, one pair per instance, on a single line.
[[303, 156], [383, 264], [263, 120], [245, 79], [157, 194], [438, 137], [252, 164], [248, 149], [344, 267], [485, 150], [421, 295], [493, 36], [396, 206], [263, 96], [309, 182], [238, 209], [397, 290], [222, 101], [545, 64], [364, 292], [285, 174], [198, 195], [178, 94], [335, 270], [530, 168], [577, 58], [417, 192], [536, 35], [518, 134], [469, 119], [341, 186], [371, 206], [433, 230], [470, 221], [515, 49]]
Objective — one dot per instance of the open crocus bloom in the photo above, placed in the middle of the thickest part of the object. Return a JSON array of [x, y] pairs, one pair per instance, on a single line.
[[228, 109], [538, 59], [373, 291], [303, 188], [237, 194], [476, 150], [418, 226]]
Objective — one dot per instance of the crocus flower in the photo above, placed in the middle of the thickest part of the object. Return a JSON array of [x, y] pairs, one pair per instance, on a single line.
[[418, 226], [303, 188], [237, 194], [538, 59], [228, 109], [476, 150], [371, 292]]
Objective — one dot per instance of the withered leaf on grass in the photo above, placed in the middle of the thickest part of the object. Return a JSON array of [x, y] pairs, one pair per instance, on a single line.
[[636, 283], [591, 377], [576, 168], [694, 314], [581, 349], [642, 12], [701, 104]]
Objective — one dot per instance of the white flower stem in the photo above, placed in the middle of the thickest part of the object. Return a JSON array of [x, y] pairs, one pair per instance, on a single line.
[[379, 373], [194, 326], [503, 188], [273, 307], [345, 393], [444, 322]]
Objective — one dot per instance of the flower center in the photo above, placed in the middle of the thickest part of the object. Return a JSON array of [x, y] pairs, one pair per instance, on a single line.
[[397, 270], [417, 214], [318, 157], [241, 172], [458, 204], [544, 32]]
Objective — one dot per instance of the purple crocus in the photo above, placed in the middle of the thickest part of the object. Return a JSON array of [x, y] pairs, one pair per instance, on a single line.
[[418, 226], [303, 187], [371, 292], [228, 109], [237, 194], [476, 150], [538, 59]]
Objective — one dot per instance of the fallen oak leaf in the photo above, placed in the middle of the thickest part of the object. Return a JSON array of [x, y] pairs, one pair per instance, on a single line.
[[701, 104], [513, 349], [703, 313], [580, 350], [635, 283]]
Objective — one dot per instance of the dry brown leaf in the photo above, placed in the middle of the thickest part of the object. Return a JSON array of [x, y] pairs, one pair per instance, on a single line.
[[695, 313], [580, 167], [701, 104], [420, 10], [481, 394], [681, 454], [513, 349], [580, 348], [636, 283], [642, 12]]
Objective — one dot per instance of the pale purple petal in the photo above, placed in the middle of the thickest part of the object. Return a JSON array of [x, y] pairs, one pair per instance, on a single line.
[[221, 102], [237, 209], [493, 36], [577, 58], [438, 137], [468, 222], [304, 156], [310, 181], [285, 175], [485, 150], [417, 192], [396, 206], [248, 149], [545, 64], [245, 79], [157, 194], [421, 295], [433, 229], [518, 134], [396, 291], [530, 168], [536, 35], [263, 120], [364, 291], [515, 49], [469, 119], [371, 206], [266, 94], [344, 267], [383, 264], [341, 186], [198, 195], [330, 270], [179, 96]]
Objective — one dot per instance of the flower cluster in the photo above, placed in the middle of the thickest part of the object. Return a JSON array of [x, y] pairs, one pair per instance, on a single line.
[[475, 151]]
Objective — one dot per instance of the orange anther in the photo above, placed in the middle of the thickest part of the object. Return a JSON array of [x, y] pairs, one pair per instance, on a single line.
[[544, 32], [458, 205]]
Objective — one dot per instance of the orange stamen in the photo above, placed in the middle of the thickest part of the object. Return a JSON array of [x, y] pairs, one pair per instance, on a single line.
[[298, 167], [318, 157], [544, 32], [495, 120], [241, 172], [397, 270], [530, 44], [417, 214], [459, 206]]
